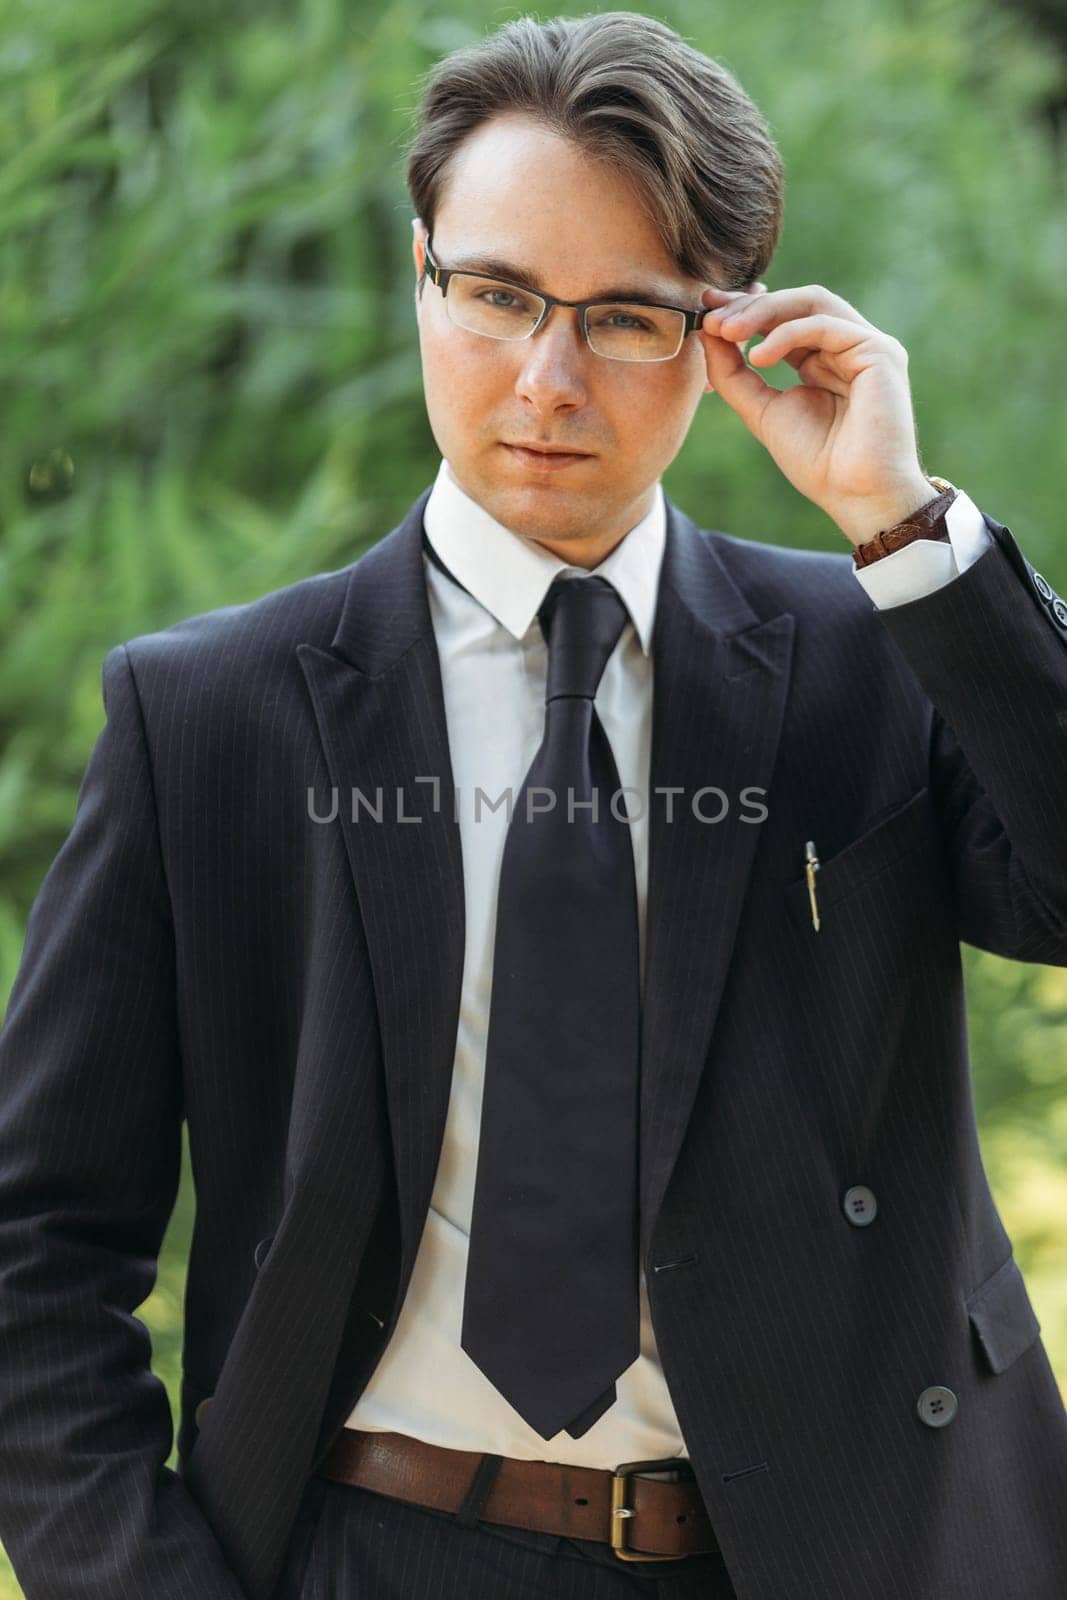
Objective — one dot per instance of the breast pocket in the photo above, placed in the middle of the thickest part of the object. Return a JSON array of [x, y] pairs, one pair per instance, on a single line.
[[872, 855]]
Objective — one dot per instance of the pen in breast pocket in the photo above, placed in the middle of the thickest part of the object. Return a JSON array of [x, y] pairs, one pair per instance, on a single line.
[[811, 867]]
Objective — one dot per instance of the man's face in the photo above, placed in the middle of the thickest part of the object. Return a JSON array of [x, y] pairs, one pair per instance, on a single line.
[[521, 194]]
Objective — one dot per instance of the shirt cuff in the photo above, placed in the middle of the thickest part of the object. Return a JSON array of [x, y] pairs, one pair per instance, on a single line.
[[928, 564]]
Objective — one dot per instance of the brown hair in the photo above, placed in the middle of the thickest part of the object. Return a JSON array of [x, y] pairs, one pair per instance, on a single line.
[[632, 93]]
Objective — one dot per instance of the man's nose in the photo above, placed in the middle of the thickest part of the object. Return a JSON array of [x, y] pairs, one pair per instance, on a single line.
[[557, 354]]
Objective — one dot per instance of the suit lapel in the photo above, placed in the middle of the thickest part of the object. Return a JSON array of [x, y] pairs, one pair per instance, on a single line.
[[379, 705], [720, 679]]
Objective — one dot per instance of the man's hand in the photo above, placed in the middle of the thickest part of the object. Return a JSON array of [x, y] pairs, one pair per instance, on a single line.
[[845, 435]]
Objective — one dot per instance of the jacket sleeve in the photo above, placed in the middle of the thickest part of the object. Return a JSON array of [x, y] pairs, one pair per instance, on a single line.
[[990, 650], [90, 1154]]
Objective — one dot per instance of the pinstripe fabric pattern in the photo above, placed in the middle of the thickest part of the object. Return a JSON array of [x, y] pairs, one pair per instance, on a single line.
[[201, 946]]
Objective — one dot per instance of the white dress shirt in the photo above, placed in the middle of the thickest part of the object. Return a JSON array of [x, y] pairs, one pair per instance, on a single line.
[[493, 667]]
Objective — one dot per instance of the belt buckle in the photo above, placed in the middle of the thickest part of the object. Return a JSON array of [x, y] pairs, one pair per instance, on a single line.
[[621, 1512]]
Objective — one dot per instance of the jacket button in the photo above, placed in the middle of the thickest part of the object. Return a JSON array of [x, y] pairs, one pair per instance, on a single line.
[[198, 1414], [1043, 588], [1059, 611], [860, 1205], [937, 1406], [260, 1252]]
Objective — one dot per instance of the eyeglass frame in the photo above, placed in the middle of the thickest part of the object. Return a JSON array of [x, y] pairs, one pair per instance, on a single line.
[[440, 276]]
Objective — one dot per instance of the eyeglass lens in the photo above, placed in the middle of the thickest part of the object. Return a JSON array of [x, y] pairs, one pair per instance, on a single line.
[[621, 332]]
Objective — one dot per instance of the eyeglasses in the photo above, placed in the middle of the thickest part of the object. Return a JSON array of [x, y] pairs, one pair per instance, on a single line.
[[620, 331]]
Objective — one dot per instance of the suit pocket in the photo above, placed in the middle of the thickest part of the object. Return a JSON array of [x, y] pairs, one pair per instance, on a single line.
[[1002, 1317], [907, 828]]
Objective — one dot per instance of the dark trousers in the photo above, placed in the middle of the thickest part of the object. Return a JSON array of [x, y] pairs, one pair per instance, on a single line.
[[353, 1544]]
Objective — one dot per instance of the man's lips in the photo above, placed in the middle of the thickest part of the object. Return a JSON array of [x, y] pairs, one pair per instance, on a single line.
[[545, 459]]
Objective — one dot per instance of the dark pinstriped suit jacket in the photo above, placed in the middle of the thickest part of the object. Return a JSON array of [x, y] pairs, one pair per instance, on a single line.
[[201, 948]]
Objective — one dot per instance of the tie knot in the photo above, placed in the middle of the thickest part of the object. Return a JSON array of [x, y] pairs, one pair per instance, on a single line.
[[582, 619]]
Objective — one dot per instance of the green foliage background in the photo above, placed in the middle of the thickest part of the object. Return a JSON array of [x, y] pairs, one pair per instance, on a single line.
[[211, 381]]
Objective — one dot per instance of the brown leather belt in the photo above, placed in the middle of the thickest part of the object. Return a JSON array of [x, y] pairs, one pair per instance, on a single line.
[[642, 1518]]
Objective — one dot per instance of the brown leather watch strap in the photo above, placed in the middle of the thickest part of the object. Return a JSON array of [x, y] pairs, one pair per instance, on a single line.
[[665, 1520], [926, 523]]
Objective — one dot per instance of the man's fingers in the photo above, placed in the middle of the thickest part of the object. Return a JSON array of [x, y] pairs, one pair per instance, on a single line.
[[739, 385]]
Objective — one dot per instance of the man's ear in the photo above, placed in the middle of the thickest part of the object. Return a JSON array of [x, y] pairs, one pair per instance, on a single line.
[[419, 236]]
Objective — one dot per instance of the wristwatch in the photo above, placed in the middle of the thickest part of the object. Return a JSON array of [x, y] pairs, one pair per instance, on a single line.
[[926, 523]]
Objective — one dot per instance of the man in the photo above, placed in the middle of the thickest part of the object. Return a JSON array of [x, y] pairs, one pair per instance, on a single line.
[[589, 1200]]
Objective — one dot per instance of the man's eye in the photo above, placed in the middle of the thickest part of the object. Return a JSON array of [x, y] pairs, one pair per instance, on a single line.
[[628, 316], [624, 320]]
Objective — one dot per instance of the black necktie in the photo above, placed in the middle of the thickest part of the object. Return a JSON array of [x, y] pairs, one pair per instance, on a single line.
[[551, 1313]]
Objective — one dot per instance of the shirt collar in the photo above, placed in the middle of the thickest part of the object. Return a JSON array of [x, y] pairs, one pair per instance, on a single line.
[[510, 576]]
